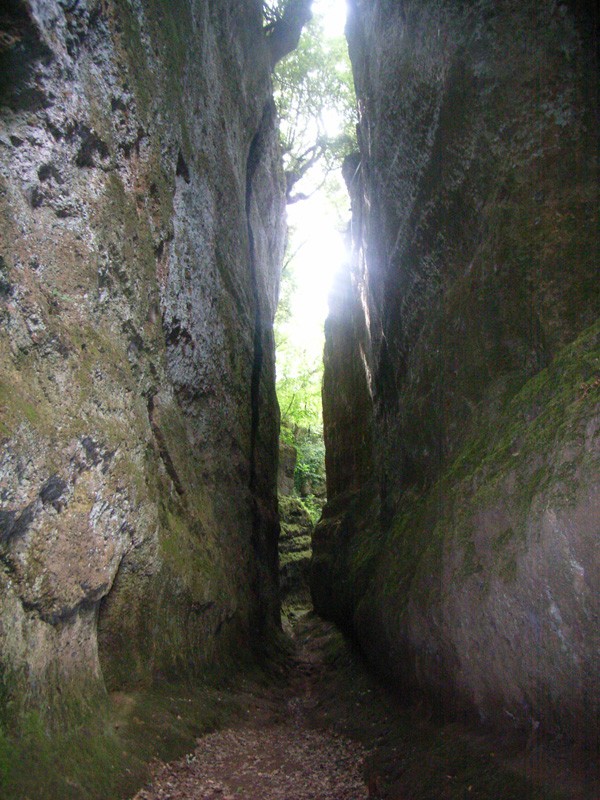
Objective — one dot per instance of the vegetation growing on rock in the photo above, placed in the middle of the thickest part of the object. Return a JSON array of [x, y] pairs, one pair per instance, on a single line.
[[141, 236], [459, 542]]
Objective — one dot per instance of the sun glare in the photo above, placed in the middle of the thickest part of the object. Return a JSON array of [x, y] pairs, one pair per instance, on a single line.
[[315, 227], [334, 16]]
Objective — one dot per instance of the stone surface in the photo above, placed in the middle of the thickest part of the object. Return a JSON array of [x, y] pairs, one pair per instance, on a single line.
[[294, 550], [286, 469], [460, 541], [141, 235]]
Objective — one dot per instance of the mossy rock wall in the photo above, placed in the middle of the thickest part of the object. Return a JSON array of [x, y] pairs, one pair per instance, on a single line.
[[141, 236], [461, 542], [294, 550]]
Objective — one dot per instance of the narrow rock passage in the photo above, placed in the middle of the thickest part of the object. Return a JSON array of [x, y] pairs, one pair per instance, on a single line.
[[276, 753], [331, 731]]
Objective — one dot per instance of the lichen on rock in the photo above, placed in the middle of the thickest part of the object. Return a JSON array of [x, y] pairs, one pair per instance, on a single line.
[[140, 257]]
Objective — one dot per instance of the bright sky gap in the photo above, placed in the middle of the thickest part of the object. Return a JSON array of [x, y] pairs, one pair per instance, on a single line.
[[316, 225]]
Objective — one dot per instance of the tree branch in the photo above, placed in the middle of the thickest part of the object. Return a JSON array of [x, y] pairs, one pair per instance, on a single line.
[[301, 166], [283, 34]]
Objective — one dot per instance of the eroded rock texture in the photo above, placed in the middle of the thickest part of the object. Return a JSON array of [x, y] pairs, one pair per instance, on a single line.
[[461, 539], [141, 233], [294, 551]]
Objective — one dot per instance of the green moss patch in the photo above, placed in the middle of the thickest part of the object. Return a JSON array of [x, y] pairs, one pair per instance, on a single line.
[[108, 755], [527, 445], [94, 760], [290, 558]]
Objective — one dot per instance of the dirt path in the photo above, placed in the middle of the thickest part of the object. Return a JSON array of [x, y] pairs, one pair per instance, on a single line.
[[273, 754], [331, 732]]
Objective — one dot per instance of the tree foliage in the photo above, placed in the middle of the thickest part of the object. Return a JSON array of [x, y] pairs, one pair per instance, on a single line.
[[299, 371], [314, 93], [273, 12], [299, 379]]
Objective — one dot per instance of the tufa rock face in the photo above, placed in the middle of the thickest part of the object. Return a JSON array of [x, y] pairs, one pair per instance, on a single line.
[[286, 468], [294, 551], [141, 236], [460, 541]]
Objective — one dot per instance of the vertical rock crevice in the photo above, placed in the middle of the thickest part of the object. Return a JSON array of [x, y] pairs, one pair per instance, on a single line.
[[253, 162], [265, 524]]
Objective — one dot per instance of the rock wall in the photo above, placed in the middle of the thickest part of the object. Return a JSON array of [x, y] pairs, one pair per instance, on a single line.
[[294, 553], [460, 543], [141, 236]]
